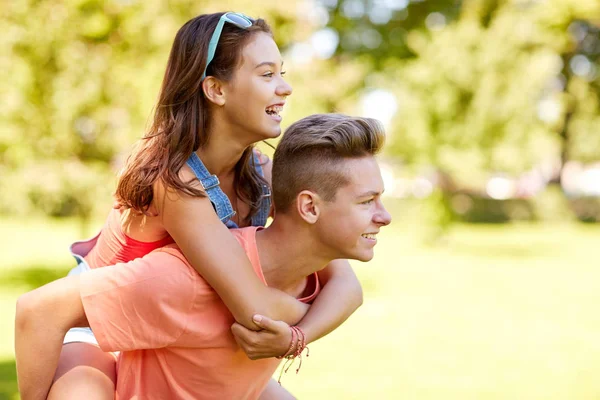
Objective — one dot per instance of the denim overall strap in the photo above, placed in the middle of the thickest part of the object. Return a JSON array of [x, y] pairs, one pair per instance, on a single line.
[[210, 183], [260, 218]]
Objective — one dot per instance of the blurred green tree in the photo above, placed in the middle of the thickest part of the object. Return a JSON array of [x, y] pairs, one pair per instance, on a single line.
[[484, 86], [492, 80]]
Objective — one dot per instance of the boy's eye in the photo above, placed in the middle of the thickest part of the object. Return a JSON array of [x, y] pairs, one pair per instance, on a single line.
[[283, 73], [368, 201]]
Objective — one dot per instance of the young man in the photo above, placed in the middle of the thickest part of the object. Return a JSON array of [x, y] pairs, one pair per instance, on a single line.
[[172, 329]]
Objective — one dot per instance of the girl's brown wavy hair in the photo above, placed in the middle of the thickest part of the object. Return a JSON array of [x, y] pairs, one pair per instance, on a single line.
[[181, 118]]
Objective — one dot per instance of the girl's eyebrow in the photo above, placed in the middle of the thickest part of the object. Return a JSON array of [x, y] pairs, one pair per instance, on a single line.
[[269, 63]]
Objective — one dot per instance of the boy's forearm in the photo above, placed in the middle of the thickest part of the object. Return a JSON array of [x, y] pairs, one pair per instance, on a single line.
[[42, 319], [340, 297]]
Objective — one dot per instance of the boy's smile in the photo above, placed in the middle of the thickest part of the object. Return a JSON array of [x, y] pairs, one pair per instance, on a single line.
[[350, 223]]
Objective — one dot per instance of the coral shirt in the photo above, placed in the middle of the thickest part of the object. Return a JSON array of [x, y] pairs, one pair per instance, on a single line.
[[159, 302]]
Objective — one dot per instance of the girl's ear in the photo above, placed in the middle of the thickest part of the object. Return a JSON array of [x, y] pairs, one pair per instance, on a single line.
[[214, 90], [308, 206]]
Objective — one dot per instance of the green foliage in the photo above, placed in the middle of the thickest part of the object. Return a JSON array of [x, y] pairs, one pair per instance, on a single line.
[[379, 29], [471, 77], [438, 216], [482, 85], [475, 209], [586, 208], [551, 205]]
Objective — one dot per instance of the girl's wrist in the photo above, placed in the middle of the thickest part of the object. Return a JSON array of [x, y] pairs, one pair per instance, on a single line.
[[308, 334], [292, 345]]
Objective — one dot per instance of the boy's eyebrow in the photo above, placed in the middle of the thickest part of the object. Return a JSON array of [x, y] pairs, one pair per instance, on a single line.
[[269, 63], [370, 193]]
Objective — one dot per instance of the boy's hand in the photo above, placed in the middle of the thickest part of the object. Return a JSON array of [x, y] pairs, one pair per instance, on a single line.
[[272, 341]]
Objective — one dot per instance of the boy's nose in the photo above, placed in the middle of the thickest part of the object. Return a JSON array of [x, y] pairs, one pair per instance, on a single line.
[[383, 217]]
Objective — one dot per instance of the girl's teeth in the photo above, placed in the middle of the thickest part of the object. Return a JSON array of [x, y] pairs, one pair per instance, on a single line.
[[274, 110]]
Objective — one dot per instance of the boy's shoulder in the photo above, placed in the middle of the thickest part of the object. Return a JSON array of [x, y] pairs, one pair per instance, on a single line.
[[173, 250], [245, 236]]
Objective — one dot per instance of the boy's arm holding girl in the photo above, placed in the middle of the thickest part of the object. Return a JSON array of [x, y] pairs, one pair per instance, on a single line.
[[227, 269], [340, 297]]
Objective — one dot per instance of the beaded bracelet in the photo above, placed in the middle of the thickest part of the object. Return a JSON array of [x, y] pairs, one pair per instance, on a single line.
[[289, 351], [299, 337]]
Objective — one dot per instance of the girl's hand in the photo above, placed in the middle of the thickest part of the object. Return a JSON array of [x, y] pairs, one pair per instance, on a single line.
[[272, 341]]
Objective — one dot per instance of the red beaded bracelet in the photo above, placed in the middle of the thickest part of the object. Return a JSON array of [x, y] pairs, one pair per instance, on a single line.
[[299, 340], [289, 351]]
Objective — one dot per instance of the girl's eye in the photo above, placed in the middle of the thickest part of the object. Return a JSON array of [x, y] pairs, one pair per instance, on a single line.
[[270, 74]]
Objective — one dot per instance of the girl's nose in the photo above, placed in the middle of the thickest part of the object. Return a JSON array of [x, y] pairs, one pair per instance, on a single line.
[[284, 89]]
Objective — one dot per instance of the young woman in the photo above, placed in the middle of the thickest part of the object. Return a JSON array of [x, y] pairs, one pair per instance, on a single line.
[[218, 98]]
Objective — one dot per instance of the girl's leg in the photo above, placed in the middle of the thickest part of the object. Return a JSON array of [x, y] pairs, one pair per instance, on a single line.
[[84, 372]]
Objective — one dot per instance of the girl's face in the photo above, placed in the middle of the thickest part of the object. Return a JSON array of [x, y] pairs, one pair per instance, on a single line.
[[256, 94]]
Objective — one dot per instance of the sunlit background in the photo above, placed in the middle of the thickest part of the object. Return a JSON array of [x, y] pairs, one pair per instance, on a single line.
[[486, 284]]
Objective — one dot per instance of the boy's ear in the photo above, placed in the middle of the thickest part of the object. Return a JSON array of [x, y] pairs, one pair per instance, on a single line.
[[214, 90], [308, 205]]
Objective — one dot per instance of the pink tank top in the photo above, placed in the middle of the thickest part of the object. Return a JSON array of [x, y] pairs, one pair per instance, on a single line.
[[114, 246]]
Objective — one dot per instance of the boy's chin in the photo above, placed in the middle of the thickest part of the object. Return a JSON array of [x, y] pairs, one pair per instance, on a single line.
[[365, 256]]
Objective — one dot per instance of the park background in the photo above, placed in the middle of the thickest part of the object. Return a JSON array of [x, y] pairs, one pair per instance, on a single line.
[[487, 283]]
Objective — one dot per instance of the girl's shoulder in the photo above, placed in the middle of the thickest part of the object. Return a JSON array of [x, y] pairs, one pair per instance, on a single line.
[[143, 228]]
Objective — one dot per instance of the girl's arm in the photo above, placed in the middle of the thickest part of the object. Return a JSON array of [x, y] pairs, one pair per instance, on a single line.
[[218, 257], [43, 317], [340, 296]]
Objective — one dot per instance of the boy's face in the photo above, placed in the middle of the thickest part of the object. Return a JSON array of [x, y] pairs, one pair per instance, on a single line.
[[349, 224]]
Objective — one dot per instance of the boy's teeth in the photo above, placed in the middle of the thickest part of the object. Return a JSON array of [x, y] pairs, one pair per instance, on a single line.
[[369, 235]]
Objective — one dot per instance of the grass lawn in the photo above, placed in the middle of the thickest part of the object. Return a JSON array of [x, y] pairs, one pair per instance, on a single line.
[[495, 312]]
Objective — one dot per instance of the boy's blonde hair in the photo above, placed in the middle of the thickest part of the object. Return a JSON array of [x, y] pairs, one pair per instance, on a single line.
[[310, 154]]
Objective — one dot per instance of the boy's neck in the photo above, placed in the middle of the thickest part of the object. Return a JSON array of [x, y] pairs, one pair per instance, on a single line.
[[288, 255]]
